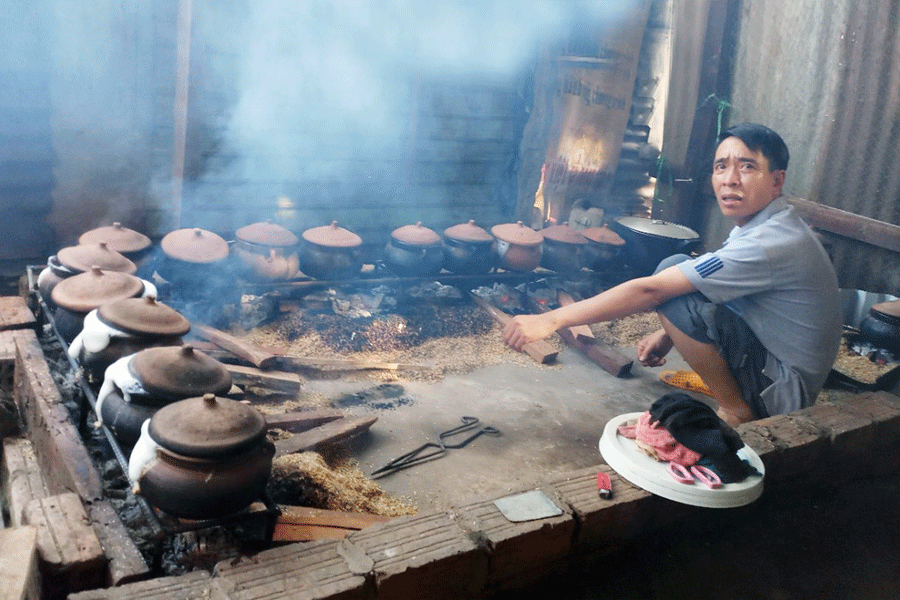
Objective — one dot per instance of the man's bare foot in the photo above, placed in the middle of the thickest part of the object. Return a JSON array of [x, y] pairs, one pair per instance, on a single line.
[[652, 349], [732, 419]]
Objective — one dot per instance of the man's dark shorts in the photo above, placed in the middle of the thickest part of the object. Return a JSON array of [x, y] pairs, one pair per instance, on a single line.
[[697, 317]]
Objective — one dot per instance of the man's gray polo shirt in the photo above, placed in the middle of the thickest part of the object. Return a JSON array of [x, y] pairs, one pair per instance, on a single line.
[[776, 276]]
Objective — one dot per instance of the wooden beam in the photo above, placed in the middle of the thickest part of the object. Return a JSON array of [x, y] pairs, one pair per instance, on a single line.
[[326, 434], [539, 350], [847, 224]]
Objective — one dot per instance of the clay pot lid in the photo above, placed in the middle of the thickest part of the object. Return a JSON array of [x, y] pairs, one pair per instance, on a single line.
[[117, 237], [194, 245], [891, 309], [143, 316], [517, 233], [179, 372], [207, 427], [332, 236], [84, 292], [416, 235], [82, 257], [468, 232], [564, 234], [603, 235], [266, 233]]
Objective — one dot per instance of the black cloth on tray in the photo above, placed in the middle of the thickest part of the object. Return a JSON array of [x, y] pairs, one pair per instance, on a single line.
[[696, 425]]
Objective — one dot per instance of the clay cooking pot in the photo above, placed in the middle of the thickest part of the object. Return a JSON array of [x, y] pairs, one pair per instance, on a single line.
[[563, 249], [136, 386], [78, 295], [191, 256], [74, 260], [210, 457], [604, 247], [414, 251], [518, 247], [124, 327], [331, 252], [267, 251], [881, 327], [468, 249]]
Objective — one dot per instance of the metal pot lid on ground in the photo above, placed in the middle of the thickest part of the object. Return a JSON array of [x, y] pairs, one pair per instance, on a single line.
[[143, 316], [658, 228], [119, 238], [564, 234], [469, 233], [517, 233], [82, 257], [332, 236], [194, 245], [603, 235], [84, 292], [267, 233], [416, 235], [179, 371], [207, 427]]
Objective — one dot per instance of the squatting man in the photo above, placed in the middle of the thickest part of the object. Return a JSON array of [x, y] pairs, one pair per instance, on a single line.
[[759, 319]]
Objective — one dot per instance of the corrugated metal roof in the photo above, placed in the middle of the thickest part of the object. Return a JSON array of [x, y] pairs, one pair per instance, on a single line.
[[826, 75]]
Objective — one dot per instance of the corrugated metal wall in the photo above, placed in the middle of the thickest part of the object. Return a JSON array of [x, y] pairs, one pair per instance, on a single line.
[[826, 75]]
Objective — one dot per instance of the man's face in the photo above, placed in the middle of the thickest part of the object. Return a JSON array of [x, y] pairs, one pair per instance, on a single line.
[[742, 181]]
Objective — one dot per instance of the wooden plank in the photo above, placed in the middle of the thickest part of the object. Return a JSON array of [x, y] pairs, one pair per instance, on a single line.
[[847, 224], [581, 337], [21, 478], [325, 434], [241, 348], [345, 364], [287, 383], [15, 314], [301, 523], [303, 420], [539, 350], [19, 578]]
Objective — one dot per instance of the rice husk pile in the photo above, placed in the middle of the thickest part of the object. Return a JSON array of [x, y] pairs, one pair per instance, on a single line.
[[859, 367], [434, 358], [306, 479], [627, 331]]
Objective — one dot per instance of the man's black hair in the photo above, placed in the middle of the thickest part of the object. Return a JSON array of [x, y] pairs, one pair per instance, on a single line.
[[760, 138]]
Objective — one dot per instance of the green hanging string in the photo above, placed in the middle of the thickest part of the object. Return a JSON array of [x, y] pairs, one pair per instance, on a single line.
[[657, 188], [721, 105]]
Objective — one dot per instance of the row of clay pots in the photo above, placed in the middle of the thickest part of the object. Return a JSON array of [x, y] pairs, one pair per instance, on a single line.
[[194, 453]]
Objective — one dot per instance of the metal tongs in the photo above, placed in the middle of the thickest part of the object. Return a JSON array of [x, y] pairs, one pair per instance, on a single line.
[[433, 450]]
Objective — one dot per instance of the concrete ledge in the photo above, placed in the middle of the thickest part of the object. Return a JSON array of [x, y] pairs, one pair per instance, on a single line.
[[70, 556], [603, 524], [304, 571], [517, 551], [425, 556], [20, 478], [197, 585], [15, 314], [19, 579], [64, 460]]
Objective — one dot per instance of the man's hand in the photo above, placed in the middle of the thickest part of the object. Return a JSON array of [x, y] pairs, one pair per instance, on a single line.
[[527, 328], [652, 349]]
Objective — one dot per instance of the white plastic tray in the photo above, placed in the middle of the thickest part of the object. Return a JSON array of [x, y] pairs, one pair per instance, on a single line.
[[626, 459]]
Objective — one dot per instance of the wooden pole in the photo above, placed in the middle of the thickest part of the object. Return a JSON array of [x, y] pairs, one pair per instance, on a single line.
[[180, 114]]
